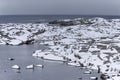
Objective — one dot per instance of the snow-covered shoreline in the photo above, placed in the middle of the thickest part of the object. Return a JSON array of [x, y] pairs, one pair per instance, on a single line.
[[92, 43], [94, 46]]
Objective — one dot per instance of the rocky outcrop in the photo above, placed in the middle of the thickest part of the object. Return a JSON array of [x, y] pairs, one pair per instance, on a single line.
[[17, 34]]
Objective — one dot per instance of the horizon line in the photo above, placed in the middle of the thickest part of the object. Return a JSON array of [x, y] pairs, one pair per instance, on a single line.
[[56, 15]]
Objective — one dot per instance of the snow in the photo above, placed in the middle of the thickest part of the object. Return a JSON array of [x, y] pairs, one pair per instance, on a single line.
[[48, 56], [74, 64], [15, 42], [39, 65], [30, 67], [87, 72], [16, 34], [16, 67], [92, 46], [95, 45], [116, 78], [93, 78]]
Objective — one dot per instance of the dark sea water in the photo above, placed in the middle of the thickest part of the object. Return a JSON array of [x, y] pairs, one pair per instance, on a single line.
[[23, 56], [45, 18]]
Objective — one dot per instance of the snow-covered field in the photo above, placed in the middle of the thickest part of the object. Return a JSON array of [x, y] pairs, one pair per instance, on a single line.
[[94, 45]]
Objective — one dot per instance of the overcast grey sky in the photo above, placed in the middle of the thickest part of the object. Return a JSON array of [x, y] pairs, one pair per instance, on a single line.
[[99, 7]]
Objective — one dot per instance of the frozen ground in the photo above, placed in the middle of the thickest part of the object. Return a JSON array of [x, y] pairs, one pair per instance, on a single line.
[[92, 43]]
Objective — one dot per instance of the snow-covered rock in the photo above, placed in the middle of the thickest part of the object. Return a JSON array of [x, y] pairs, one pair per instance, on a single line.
[[87, 72], [16, 34], [48, 56], [15, 67], [93, 78], [15, 42], [74, 64], [93, 43], [39, 65], [30, 67]]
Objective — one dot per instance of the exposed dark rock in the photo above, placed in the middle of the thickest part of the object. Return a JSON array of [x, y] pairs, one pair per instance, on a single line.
[[11, 59], [29, 41], [103, 77], [103, 37], [77, 56], [101, 46], [62, 23]]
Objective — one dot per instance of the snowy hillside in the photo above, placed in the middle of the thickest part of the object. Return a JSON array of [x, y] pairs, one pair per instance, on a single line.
[[95, 45], [92, 43]]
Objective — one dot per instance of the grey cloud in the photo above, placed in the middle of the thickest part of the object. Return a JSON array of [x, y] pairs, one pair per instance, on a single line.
[[104, 7]]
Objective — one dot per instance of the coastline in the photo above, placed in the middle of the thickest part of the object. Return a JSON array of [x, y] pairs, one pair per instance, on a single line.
[[89, 43]]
